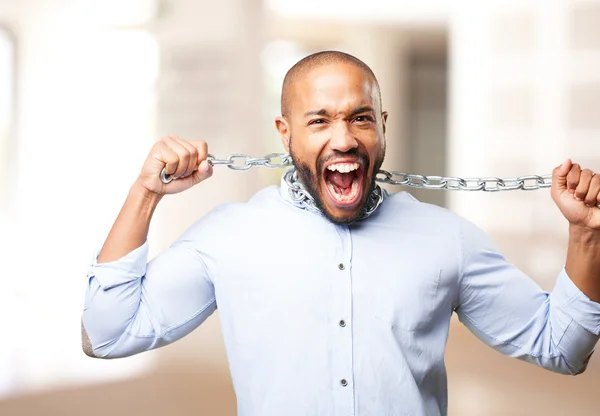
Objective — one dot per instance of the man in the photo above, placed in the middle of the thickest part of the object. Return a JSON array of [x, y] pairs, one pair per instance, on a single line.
[[349, 315]]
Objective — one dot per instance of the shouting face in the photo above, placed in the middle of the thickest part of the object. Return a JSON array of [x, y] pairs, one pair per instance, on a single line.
[[334, 131]]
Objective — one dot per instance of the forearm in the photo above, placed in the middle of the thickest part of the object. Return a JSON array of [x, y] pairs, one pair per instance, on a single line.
[[130, 229], [583, 261]]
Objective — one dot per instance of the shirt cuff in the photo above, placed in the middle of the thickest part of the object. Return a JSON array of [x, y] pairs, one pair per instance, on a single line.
[[128, 268], [576, 304]]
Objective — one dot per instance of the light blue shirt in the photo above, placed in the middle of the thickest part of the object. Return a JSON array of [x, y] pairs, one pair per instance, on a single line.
[[321, 319]]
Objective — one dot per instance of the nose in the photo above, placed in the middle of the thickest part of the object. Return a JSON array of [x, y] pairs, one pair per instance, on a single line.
[[342, 139]]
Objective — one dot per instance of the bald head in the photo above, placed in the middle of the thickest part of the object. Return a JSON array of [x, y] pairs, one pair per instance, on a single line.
[[314, 61]]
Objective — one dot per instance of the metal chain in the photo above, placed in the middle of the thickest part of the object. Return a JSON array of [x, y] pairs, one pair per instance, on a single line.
[[525, 183], [240, 161]]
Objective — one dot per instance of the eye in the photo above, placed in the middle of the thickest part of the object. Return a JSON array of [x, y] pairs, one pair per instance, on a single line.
[[317, 121], [363, 119]]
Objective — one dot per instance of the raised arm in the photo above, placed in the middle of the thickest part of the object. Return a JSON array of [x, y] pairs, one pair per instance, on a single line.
[[508, 311], [182, 159], [132, 306]]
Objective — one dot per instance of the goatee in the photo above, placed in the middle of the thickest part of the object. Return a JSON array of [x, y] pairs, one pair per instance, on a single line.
[[311, 180]]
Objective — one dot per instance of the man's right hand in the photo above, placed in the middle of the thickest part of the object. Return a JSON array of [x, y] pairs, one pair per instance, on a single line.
[[185, 161]]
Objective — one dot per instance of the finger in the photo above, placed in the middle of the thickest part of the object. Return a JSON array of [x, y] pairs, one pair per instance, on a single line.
[[591, 199], [170, 159], [182, 153], [559, 176], [583, 186], [194, 161], [573, 177], [202, 149]]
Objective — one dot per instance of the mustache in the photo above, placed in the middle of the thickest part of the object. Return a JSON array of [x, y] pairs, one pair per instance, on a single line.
[[363, 158]]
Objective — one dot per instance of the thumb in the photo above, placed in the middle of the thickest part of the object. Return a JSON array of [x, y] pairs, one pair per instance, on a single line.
[[559, 176], [203, 172]]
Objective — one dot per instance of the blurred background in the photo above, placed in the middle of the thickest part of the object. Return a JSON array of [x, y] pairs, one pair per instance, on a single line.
[[487, 88]]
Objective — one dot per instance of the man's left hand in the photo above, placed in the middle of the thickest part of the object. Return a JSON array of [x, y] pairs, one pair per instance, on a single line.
[[576, 191]]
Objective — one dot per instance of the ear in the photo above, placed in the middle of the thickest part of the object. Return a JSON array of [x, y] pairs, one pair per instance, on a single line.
[[283, 128], [384, 117]]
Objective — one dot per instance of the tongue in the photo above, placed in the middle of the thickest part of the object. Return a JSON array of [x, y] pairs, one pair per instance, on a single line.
[[341, 180]]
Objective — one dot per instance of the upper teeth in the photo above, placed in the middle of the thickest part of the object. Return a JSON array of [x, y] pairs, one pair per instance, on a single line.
[[343, 167]]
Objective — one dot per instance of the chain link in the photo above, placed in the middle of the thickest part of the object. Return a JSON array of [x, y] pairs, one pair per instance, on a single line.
[[525, 183], [239, 161]]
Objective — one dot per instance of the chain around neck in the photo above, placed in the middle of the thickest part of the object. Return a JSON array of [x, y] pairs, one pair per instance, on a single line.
[[302, 199]]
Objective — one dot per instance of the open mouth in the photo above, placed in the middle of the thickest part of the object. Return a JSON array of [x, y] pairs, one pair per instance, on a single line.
[[343, 181]]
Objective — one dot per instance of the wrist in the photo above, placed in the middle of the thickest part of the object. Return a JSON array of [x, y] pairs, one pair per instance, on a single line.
[[584, 236], [143, 196], [583, 260]]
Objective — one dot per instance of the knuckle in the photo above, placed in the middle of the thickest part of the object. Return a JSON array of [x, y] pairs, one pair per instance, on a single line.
[[172, 161], [183, 160]]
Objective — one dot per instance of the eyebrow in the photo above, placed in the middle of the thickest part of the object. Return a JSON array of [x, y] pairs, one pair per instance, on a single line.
[[358, 110], [321, 112], [362, 109]]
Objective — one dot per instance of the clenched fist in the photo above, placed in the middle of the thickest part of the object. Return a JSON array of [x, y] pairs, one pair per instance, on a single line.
[[576, 191], [182, 160]]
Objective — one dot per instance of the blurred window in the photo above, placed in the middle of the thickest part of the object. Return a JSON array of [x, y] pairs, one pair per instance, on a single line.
[[106, 79]]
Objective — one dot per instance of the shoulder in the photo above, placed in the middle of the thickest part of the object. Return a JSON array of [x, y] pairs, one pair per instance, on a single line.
[[410, 214], [437, 221], [236, 216], [406, 206]]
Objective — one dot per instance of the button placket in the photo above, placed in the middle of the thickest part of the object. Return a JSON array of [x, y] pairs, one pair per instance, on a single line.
[[341, 315]]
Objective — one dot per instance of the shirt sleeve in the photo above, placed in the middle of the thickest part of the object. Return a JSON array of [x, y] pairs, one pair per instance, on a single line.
[[132, 305], [508, 311]]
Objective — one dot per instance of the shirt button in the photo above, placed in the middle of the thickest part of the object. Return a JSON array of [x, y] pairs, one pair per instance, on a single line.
[[341, 266], [344, 382], [342, 323]]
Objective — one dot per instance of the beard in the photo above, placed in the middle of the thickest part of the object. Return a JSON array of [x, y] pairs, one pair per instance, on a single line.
[[311, 180]]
